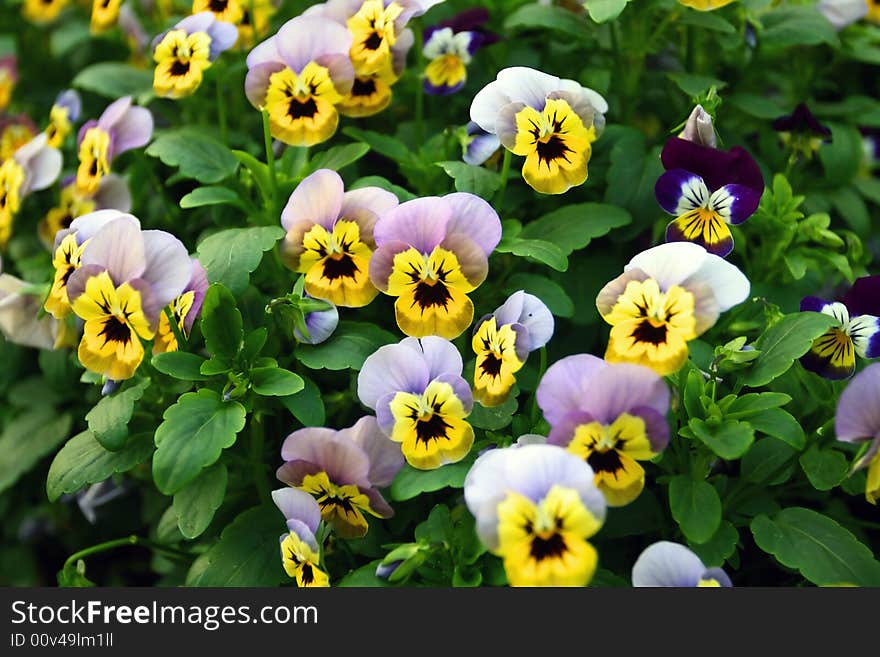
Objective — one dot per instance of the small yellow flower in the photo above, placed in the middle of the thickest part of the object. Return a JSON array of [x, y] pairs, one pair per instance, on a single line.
[[181, 60]]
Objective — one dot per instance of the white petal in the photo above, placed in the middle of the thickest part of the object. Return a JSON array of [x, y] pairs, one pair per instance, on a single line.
[[728, 284], [670, 264]]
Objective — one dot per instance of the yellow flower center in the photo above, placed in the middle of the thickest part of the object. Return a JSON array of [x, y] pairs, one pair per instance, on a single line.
[[342, 506], [301, 106], [94, 161]]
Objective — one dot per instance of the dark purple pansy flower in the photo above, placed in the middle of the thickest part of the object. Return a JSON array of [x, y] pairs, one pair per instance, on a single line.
[[801, 131]]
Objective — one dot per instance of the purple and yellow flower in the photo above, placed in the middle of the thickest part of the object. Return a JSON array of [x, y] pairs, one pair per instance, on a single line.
[[858, 421], [610, 415], [551, 122], [120, 128], [124, 279], [183, 53], [344, 471], [666, 297], [535, 507], [671, 564], [699, 128], [300, 552], [801, 132], [449, 47], [105, 13], [33, 166], [477, 145], [833, 354], [706, 5], [8, 79], [330, 237], [15, 132], [706, 189], [185, 309], [41, 12], [113, 194], [421, 400], [64, 113], [502, 342], [431, 252]]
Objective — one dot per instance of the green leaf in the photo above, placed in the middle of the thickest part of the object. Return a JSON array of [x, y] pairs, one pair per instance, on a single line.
[[275, 382], [114, 80], [202, 196], [108, 420], [603, 11], [180, 365], [718, 548], [795, 26], [783, 343], [729, 440], [195, 503], [194, 432], [307, 406], [27, 439], [365, 576], [493, 418], [841, 158], [766, 461], [338, 157], [758, 106], [695, 387], [258, 170], [780, 424], [548, 291], [83, 461], [541, 250], [68, 34], [402, 194], [693, 84], [231, 255], [246, 554], [472, 179], [755, 402], [347, 348], [383, 144], [196, 153], [410, 483], [824, 467], [221, 322], [708, 21], [820, 549], [573, 227], [538, 17], [696, 507]]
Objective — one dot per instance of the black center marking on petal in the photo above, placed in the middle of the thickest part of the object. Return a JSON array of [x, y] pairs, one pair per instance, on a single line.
[[431, 296], [373, 41], [553, 149], [548, 548], [343, 503], [218, 6], [302, 109], [434, 428], [645, 331], [115, 330], [491, 365], [66, 275], [363, 87], [341, 267], [307, 575], [179, 68], [608, 461]]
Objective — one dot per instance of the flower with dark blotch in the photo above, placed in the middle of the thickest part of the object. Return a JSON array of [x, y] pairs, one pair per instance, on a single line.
[[343, 470], [551, 122], [449, 47], [801, 132], [610, 415], [536, 507], [421, 400], [228, 11], [858, 421], [113, 194], [32, 167], [300, 552], [121, 127], [502, 342], [64, 113], [666, 297], [857, 332], [431, 252], [105, 13], [330, 237], [674, 565], [184, 308], [706, 189]]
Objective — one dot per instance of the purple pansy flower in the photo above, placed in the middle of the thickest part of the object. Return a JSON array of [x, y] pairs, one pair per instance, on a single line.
[[478, 145], [858, 421], [300, 552], [706, 189], [33, 166], [801, 131], [185, 309], [672, 564]]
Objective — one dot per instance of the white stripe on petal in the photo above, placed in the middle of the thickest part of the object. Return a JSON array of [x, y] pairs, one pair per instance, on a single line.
[[722, 202], [861, 329]]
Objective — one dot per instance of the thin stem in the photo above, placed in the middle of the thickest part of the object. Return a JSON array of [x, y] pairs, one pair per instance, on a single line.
[[505, 174], [420, 87], [270, 160], [178, 334], [221, 106], [256, 459], [542, 367], [121, 542]]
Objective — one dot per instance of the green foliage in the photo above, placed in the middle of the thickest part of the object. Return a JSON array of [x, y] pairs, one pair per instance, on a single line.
[[108, 420], [195, 504], [196, 153], [230, 256]]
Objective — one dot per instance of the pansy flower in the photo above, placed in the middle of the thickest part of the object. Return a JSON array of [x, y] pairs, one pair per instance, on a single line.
[[671, 564], [858, 421], [120, 128], [113, 194], [32, 167], [833, 354], [706, 5], [344, 471], [551, 122], [184, 52], [15, 132], [706, 189], [184, 308], [300, 553], [8, 79], [535, 507], [64, 113], [124, 280], [330, 237], [502, 342], [449, 47], [477, 145], [299, 76], [666, 297], [256, 17], [105, 13], [421, 400], [431, 252], [801, 132], [227, 11], [40, 12], [610, 415]]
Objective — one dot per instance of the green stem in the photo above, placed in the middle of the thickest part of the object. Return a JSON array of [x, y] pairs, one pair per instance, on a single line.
[[420, 87], [178, 334], [221, 106], [270, 161], [505, 174], [542, 367], [121, 542], [256, 459]]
